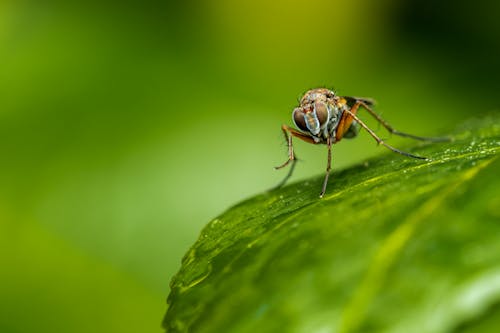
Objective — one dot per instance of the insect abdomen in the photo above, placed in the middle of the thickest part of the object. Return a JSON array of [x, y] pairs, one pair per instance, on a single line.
[[352, 131]]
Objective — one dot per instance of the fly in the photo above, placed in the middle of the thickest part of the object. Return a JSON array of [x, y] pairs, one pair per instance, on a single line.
[[325, 118]]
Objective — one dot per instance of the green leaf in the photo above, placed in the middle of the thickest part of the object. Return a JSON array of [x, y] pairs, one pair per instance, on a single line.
[[396, 245]]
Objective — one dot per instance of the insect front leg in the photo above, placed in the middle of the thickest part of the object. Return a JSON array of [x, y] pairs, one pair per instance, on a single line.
[[288, 138], [328, 166], [289, 133]]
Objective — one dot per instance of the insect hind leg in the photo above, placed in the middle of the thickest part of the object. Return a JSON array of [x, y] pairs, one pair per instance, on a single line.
[[366, 104], [381, 142]]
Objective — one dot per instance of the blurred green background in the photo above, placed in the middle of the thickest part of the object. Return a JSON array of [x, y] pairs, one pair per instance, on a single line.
[[126, 126]]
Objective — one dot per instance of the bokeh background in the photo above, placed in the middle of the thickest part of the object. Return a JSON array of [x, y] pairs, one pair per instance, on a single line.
[[126, 126]]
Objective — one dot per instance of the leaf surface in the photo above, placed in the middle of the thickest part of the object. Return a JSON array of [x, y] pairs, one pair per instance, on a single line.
[[396, 245]]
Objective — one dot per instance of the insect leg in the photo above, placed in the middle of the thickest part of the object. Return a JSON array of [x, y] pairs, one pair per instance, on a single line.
[[289, 132], [328, 167], [380, 141], [288, 175], [392, 130]]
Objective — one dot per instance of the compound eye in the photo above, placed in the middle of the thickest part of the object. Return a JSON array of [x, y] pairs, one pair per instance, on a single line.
[[299, 120], [321, 111]]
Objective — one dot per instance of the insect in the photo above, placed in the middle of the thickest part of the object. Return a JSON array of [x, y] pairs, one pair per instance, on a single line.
[[325, 118]]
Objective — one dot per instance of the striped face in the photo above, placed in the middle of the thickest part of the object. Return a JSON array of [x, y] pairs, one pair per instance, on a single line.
[[317, 114]]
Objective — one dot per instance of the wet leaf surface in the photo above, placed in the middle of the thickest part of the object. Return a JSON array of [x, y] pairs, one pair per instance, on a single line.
[[396, 245]]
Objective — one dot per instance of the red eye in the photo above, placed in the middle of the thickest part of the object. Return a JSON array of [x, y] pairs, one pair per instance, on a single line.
[[299, 120], [321, 112]]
